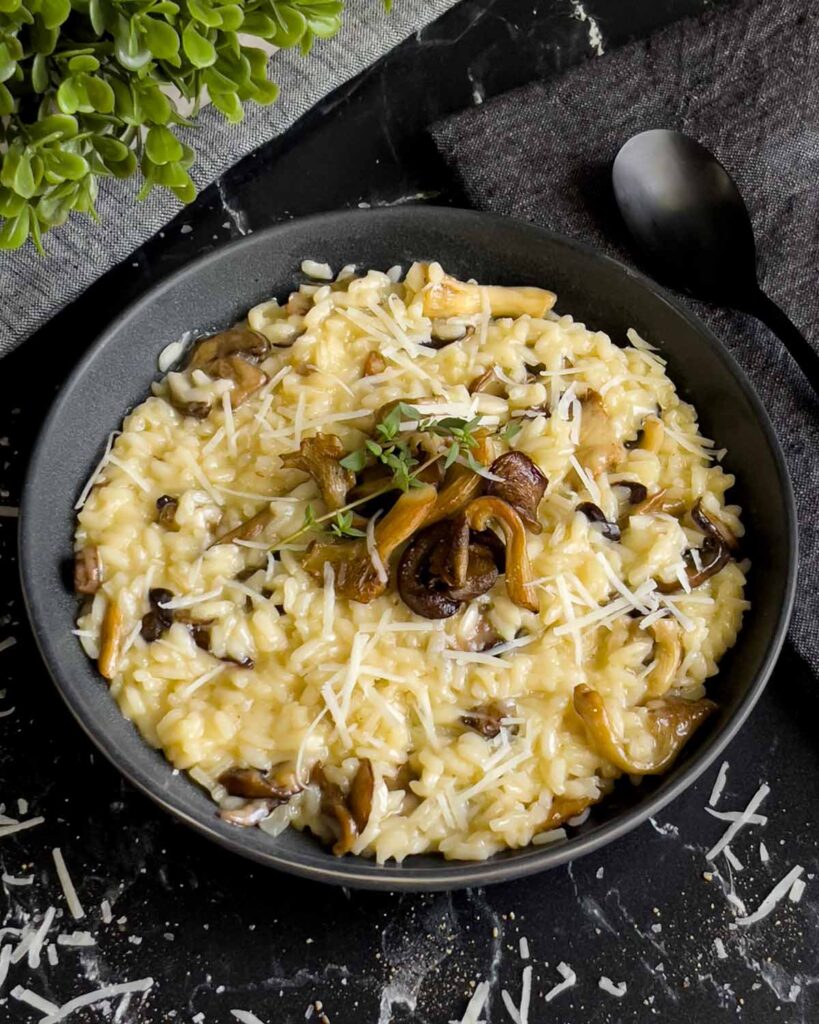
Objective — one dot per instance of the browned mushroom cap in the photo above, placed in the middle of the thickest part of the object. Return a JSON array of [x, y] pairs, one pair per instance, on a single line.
[[712, 527], [636, 492], [373, 364], [442, 568], [522, 486], [362, 790], [239, 340], [87, 570], [450, 297], [249, 814], [356, 577], [158, 619], [563, 809], [334, 806], [597, 517], [672, 721], [486, 718], [166, 506], [320, 457], [246, 377], [599, 448], [479, 513], [713, 556], [461, 484], [277, 785], [110, 640]]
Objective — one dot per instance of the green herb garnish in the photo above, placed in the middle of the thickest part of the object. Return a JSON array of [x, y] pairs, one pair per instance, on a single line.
[[342, 526]]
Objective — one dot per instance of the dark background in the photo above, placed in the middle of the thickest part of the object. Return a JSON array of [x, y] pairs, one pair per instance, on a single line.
[[217, 933]]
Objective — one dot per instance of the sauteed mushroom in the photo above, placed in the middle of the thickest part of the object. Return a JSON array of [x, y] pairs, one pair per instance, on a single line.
[[166, 506], [249, 814], [433, 580], [597, 517], [320, 456], [713, 555], [522, 486], [362, 790], [667, 655], [636, 492], [450, 297], [334, 806], [712, 527], [158, 619], [479, 513], [665, 500], [238, 340], [110, 640], [356, 575], [672, 721], [599, 448], [87, 570], [373, 364], [486, 718], [563, 809], [277, 785], [487, 383], [461, 485]]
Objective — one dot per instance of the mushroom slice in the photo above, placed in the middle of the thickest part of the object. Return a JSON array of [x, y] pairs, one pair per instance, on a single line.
[[450, 297], [320, 457], [563, 809], [248, 530], [666, 500], [247, 378], [373, 364], [636, 492], [672, 721], [158, 619], [597, 517], [487, 718], [461, 484], [166, 507], [667, 655], [356, 576], [713, 556], [334, 806], [441, 569], [362, 790], [110, 640], [652, 434], [599, 448], [278, 785], [249, 814], [479, 513], [487, 383], [87, 570], [522, 486], [711, 527], [239, 340]]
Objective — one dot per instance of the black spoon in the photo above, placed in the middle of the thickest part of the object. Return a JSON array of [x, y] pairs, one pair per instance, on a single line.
[[689, 219]]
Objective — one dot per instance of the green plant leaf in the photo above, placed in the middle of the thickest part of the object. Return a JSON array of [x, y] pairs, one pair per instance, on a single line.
[[232, 18], [39, 73], [160, 38], [10, 203], [257, 23], [162, 146], [58, 125], [185, 193], [230, 105], [67, 165], [199, 50], [290, 28], [14, 231], [71, 96], [97, 14], [155, 105], [100, 94], [111, 150], [54, 12], [201, 11], [17, 173], [83, 62], [6, 101], [43, 40], [9, 6]]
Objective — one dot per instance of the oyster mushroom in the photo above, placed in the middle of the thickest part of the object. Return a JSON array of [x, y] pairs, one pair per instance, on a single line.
[[277, 785], [334, 806], [461, 484], [111, 637], [522, 485], [672, 721], [711, 527], [636, 492], [487, 718], [362, 791], [373, 364], [712, 556], [231, 355], [479, 513], [320, 457], [597, 517], [87, 570], [166, 507], [441, 569], [356, 576], [666, 500], [652, 434], [450, 297], [667, 656], [249, 814], [487, 383], [157, 619], [599, 449], [248, 530], [563, 809]]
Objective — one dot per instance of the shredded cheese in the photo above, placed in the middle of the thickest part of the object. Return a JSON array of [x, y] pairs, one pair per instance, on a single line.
[[97, 996], [25, 995], [36, 946], [69, 891], [475, 1005], [719, 946], [774, 896], [735, 826], [586, 480], [97, 471], [372, 551], [719, 784], [569, 979], [329, 600], [617, 990], [8, 830]]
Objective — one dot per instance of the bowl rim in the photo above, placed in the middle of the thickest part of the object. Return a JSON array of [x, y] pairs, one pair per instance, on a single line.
[[450, 874]]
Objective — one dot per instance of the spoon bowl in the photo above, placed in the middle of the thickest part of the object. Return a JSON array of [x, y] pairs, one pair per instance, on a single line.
[[693, 230]]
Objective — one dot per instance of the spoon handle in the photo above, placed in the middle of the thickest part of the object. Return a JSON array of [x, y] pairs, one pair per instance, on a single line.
[[766, 310]]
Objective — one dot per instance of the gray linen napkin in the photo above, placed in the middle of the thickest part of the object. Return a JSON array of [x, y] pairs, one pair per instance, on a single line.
[[745, 81], [32, 289]]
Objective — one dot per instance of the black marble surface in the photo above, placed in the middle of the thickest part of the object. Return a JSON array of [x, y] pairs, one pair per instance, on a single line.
[[217, 934]]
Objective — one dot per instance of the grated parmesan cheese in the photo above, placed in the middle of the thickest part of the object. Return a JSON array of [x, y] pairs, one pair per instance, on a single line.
[[776, 894], [764, 856], [98, 996], [569, 979], [18, 880], [230, 427], [475, 1005], [735, 826], [607, 985], [797, 891], [36, 946], [25, 995], [372, 551], [5, 958], [69, 891], [97, 471], [329, 600], [20, 826], [9, 512], [318, 271], [246, 1017], [719, 946], [586, 480], [719, 784]]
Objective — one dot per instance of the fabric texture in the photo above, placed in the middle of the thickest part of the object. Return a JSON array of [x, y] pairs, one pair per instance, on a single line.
[[32, 289], [744, 80]]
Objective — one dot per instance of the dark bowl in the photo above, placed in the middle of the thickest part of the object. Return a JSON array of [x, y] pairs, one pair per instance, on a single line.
[[218, 289]]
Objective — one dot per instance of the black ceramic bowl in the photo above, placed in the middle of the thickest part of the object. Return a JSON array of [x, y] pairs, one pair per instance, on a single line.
[[215, 291]]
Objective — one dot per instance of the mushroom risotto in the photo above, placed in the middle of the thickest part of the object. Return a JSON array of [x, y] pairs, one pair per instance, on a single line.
[[417, 565]]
